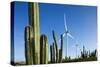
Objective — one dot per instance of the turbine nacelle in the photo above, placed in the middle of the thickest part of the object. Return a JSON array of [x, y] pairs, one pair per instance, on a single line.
[[66, 31]]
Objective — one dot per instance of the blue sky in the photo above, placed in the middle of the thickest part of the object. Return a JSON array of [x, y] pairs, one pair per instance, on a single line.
[[81, 22]]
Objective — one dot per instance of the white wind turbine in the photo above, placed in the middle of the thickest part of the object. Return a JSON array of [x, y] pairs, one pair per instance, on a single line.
[[66, 33]]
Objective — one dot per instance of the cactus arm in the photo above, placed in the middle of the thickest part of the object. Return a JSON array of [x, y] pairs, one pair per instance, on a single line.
[[56, 46], [43, 49], [51, 53], [61, 50], [28, 44]]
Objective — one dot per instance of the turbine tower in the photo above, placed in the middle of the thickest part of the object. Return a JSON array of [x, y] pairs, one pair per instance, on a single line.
[[76, 50]]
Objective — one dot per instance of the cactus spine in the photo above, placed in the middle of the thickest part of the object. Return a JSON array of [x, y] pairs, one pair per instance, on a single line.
[[34, 22], [56, 47], [43, 50], [28, 45]]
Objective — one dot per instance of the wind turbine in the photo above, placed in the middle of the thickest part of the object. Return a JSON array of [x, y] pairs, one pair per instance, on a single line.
[[66, 33]]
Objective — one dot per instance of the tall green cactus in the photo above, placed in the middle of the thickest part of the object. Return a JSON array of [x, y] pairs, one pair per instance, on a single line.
[[34, 22], [46, 52], [28, 44], [59, 55], [61, 50], [54, 53], [43, 50], [56, 46], [51, 53]]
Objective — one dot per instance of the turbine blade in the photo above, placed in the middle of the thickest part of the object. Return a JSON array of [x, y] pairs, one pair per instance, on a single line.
[[68, 34], [65, 22]]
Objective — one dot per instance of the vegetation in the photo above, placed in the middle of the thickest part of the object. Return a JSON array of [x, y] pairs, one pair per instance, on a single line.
[[34, 23], [85, 56], [28, 45], [56, 53], [43, 50]]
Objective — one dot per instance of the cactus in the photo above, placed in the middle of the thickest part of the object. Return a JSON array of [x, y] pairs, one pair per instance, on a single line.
[[36, 47], [51, 53], [54, 53], [56, 47], [28, 44], [34, 22], [43, 50], [61, 50], [59, 55]]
